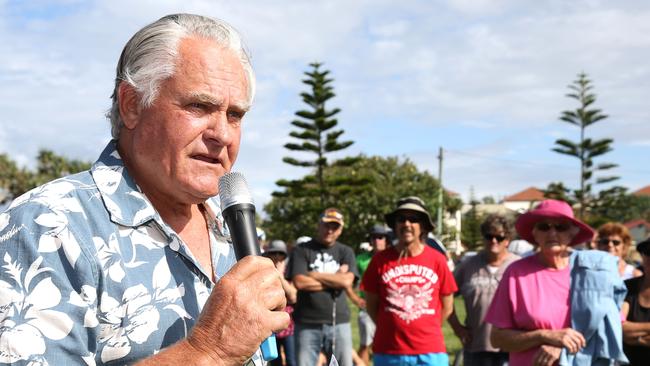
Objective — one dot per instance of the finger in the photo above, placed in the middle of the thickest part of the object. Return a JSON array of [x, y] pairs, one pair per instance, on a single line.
[[278, 320], [266, 285], [573, 348], [273, 298], [578, 336], [578, 340], [248, 265]]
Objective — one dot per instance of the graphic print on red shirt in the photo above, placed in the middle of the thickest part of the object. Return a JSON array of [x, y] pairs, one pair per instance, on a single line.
[[409, 291]]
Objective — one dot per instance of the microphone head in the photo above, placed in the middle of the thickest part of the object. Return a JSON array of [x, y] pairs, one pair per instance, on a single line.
[[233, 189]]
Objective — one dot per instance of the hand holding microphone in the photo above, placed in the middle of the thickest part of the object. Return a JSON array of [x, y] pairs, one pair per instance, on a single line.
[[243, 308], [239, 212]]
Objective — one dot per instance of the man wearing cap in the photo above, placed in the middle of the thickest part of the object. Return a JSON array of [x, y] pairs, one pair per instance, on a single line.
[[321, 269], [409, 292]]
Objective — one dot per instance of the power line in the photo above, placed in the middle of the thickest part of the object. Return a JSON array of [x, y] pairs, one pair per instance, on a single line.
[[536, 163]]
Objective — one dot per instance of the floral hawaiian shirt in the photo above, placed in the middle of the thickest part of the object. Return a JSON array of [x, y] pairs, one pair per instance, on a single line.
[[90, 274]]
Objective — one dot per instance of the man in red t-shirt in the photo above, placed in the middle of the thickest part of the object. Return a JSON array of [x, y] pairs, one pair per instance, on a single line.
[[409, 292]]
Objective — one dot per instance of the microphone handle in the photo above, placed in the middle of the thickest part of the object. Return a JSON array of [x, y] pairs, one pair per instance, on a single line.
[[240, 219]]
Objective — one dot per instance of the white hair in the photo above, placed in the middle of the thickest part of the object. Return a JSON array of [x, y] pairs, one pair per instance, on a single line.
[[149, 57]]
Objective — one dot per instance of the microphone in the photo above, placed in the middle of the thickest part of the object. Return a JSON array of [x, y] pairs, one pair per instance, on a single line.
[[239, 212]]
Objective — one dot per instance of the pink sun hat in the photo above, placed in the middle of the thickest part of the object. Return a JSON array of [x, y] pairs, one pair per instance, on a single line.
[[552, 209]]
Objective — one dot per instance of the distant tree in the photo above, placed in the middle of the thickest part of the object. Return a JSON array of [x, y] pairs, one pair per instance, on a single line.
[[15, 181], [388, 180], [616, 204], [471, 229], [318, 137], [488, 200], [585, 149], [557, 191]]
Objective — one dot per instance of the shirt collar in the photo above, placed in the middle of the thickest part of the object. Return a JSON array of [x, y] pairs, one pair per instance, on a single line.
[[122, 198], [125, 202]]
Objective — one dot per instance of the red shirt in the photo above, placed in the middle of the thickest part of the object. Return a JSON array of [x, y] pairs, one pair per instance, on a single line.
[[409, 291]]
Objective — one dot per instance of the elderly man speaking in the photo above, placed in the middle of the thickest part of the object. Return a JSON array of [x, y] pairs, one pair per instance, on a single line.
[[129, 261]]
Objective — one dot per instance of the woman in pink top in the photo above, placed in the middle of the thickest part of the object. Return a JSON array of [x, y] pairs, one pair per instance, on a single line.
[[530, 311]]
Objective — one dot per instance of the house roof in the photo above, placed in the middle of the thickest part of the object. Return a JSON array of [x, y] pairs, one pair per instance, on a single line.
[[635, 223], [645, 191], [451, 193], [527, 195]]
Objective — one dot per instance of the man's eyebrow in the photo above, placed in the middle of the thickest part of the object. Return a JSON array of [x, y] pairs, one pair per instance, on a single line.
[[206, 98], [211, 99]]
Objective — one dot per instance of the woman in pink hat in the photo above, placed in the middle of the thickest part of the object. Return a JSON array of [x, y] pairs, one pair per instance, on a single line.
[[530, 313]]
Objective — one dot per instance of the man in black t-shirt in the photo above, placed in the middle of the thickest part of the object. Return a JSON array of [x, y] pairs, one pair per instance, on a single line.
[[321, 270]]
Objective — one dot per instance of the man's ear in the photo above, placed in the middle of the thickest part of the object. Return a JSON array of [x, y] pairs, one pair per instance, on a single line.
[[129, 103]]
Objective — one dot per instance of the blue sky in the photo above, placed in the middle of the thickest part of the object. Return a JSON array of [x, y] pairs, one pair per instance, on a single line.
[[484, 79]]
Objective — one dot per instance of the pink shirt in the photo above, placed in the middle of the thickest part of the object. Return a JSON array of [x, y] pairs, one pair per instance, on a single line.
[[531, 296]]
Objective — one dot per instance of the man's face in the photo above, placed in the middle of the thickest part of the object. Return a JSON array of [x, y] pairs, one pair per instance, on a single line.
[[328, 232], [495, 241], [378, 242], [182, 144], [408, 227]]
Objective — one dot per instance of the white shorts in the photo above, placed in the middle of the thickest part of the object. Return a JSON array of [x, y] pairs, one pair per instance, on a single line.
[[366, 329]]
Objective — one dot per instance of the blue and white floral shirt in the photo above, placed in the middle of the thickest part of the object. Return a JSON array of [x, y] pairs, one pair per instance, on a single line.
[[91, 275]]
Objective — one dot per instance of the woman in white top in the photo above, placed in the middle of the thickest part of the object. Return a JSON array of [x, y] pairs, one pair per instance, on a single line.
[[614, 238]]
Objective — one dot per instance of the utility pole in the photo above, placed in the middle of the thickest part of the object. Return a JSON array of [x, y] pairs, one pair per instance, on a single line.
[[440, 195]]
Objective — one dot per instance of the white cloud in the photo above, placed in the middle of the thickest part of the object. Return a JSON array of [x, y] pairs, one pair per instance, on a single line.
[[462, 74]]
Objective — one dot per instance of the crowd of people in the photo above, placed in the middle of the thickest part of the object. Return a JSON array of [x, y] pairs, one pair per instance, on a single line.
[[564, 302], [131, 261]]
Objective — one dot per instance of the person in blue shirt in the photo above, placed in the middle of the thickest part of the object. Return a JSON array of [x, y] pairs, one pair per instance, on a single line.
[[130, 261]]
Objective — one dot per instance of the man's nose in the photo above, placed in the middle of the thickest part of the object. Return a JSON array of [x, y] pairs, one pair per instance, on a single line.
[[219, 128]]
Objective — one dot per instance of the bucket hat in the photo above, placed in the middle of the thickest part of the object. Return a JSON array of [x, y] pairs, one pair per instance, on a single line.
[[276, 246], [552, 209], [380, 230], [412, 203]]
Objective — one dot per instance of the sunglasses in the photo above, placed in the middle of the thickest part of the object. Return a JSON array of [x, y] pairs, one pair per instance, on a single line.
[[605, 242], [403, 218], [490, 237], [377, 237], [559, 228]]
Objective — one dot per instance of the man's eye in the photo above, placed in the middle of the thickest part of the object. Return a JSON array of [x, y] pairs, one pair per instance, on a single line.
[[235, 115], [197, 106]]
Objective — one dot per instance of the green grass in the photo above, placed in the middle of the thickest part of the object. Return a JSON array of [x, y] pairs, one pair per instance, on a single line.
[[451, 341]]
